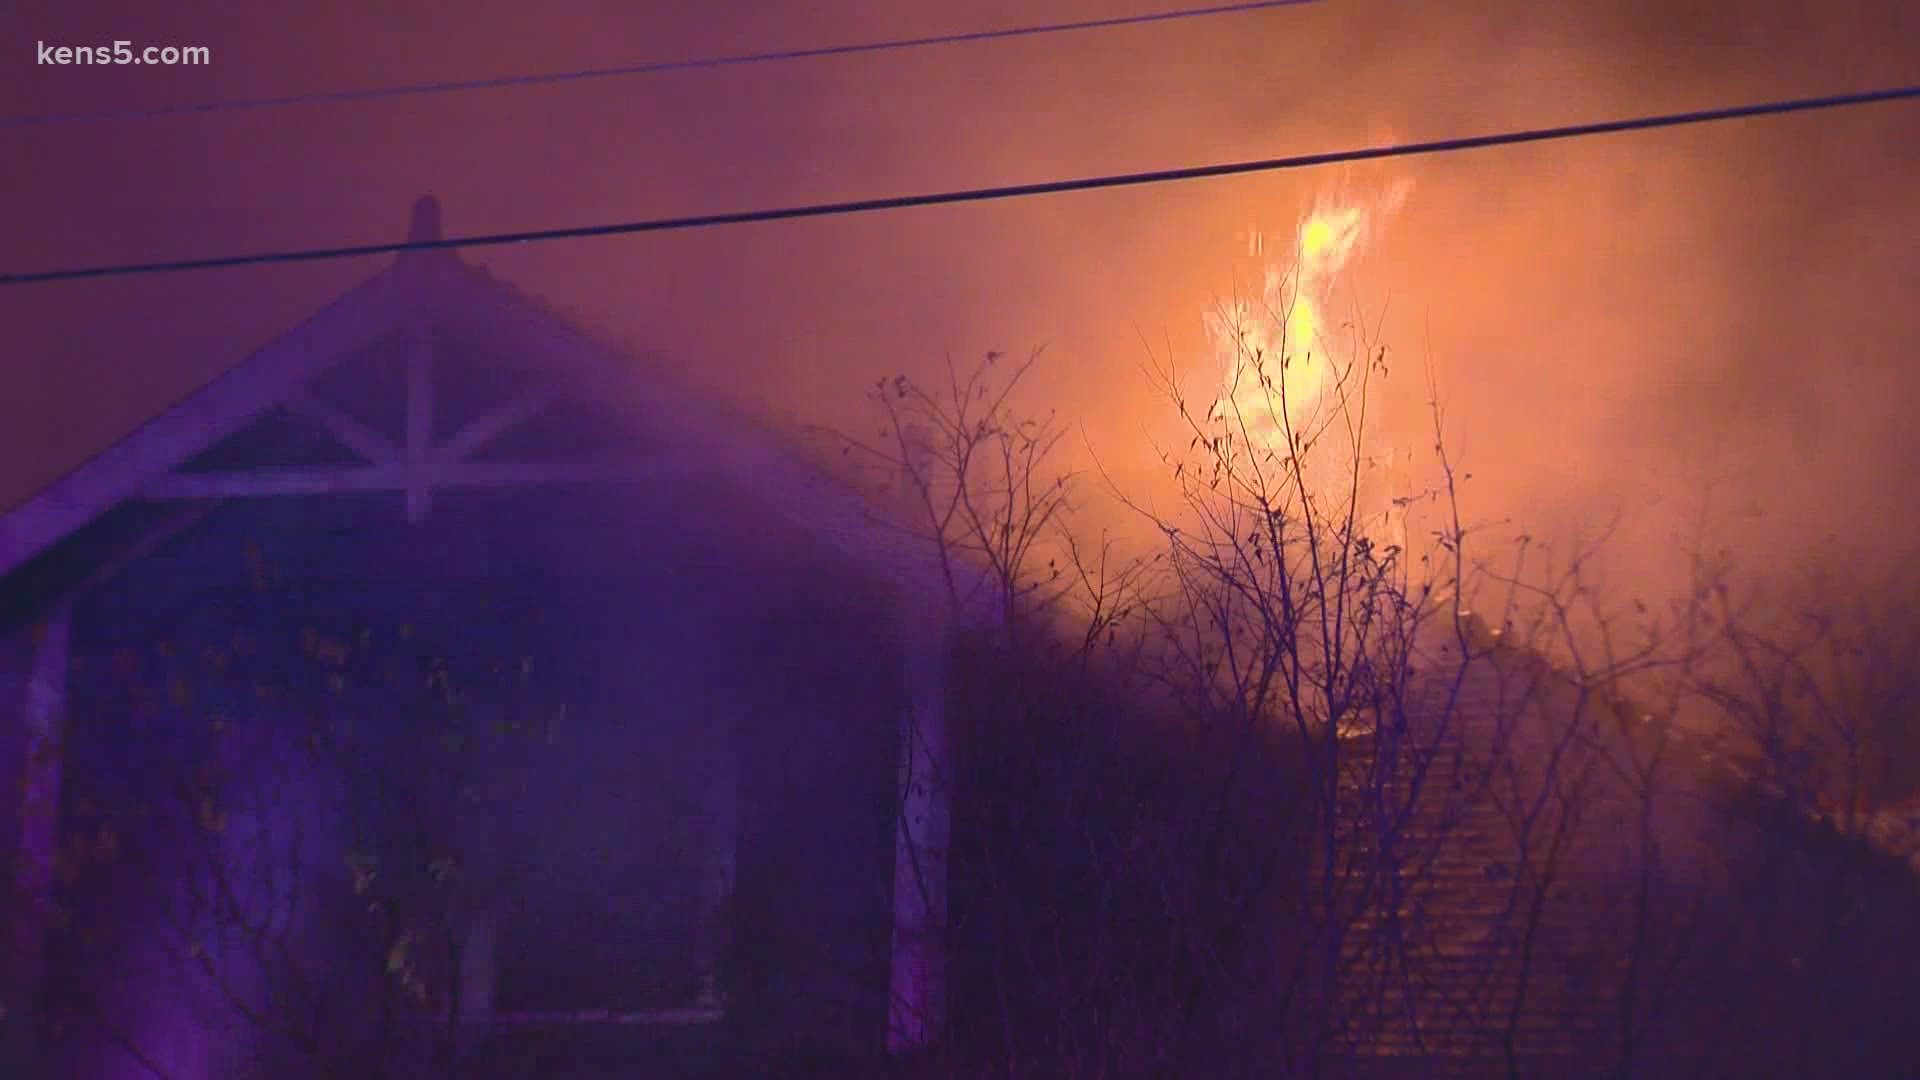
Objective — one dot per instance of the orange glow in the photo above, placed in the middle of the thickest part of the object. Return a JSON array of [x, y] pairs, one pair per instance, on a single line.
[[1294, 371], [1278, 358]]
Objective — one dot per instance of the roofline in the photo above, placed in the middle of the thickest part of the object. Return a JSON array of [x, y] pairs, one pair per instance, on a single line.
[[441, 287], [218, 409]]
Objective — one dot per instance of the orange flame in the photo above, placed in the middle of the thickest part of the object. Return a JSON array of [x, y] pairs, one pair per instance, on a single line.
[[1277, 353]]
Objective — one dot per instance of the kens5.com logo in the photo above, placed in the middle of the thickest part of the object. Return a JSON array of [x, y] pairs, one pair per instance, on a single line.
[[123, 52]]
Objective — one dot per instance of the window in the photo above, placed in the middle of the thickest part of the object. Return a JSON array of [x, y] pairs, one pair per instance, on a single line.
[[621, 913]]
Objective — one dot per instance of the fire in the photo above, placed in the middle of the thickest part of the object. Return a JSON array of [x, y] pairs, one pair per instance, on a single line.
[[1278, 350], [1328, 238], [1293, 375]]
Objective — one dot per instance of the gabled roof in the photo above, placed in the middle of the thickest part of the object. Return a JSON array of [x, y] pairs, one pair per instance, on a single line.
[[439, 289]]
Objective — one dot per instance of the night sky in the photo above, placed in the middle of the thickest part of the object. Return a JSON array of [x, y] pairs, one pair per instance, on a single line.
[[1609, 318]]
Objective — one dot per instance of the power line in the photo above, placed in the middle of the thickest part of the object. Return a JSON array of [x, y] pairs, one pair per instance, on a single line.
[[1016, 191], [654, 68]]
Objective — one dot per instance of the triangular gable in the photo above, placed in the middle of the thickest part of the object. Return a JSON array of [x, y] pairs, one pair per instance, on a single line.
[[245, 391], [266, 400]]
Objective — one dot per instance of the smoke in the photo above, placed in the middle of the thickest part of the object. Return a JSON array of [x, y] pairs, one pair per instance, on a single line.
[[1642, 333], [1610, 319]]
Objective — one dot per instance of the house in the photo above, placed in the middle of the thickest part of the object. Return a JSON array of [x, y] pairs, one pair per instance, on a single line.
[[442, 673], [443, 680]]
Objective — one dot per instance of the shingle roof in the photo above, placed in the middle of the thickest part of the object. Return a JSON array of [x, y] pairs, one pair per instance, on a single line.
[[1479, 951]]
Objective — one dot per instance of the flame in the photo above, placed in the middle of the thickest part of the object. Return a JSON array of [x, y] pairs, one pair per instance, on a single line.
[[1287, 374], [1277, 351], [1276, 363]]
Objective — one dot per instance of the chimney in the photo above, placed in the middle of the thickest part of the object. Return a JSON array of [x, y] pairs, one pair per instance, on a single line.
[[423, 227]]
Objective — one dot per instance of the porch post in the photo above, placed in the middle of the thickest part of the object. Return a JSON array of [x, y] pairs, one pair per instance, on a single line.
[[917, 1014], [43, 714]]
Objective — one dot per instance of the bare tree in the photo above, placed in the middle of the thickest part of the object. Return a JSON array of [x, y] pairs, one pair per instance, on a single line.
[[1280, 603], [1381, 791], [1812, 693], [288, 860]]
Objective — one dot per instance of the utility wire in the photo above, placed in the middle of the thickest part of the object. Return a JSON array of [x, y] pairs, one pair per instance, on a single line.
[[654, 68], [1016, 191]]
